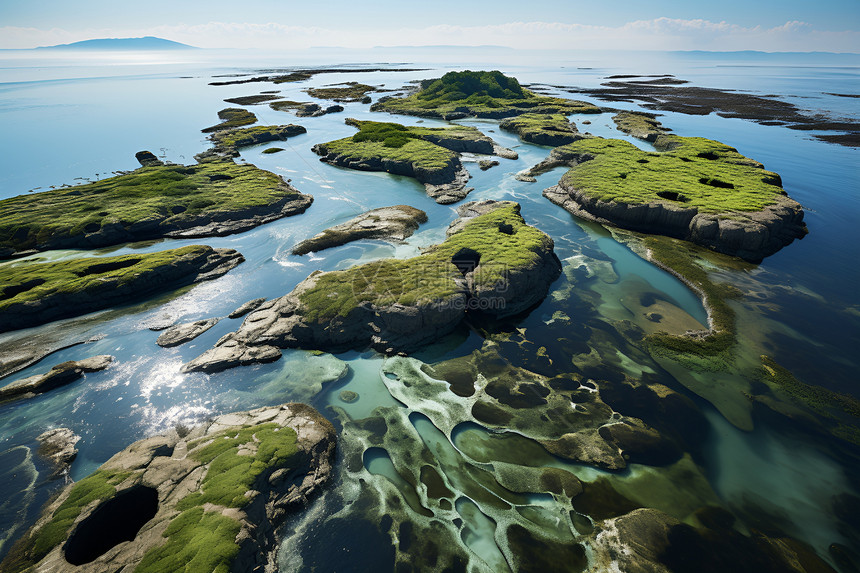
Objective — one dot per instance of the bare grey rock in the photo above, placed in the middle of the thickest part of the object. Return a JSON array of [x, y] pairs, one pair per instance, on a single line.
[[59, 375], [182, 333], [485, 164], [246, 308], [395, 223], [57, 447]]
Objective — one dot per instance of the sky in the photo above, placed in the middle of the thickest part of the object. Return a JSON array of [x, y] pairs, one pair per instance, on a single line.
[[724, 25]]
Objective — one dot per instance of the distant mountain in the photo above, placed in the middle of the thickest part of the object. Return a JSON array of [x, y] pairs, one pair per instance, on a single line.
[[106, 44]]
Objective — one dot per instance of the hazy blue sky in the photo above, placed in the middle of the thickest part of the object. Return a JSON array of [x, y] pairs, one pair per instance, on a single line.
[[802, 25]]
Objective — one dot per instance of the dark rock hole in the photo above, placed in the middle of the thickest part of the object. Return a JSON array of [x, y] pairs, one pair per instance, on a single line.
[[177, 209], [92, 227], [672, 196], [708, 155], [506, 228], [466, 260], [713, 182], [114, 521], [100, 268], [641, 161], [14, 290], [219, 177]]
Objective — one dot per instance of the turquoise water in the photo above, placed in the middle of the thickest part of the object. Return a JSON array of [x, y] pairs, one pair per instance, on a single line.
[[68, 123]]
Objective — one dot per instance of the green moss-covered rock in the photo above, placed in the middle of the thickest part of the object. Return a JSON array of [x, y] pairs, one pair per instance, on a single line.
[[492, 263], [209, 199], [480, 94], [232, 117], [694, 189], [209, 501], [640, 125], [542, 128], [430, 155], [347, 92], [36, 293]]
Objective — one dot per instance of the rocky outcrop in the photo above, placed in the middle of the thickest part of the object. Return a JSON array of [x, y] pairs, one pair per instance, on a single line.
[[182, 333], [57, 447], [748, 235], [485, 164], [542, 129], [640, 125], [247, 307], [190, 266], [227, 143], [59, 375], [446, 184], [394, 223], [650, 541], [168, 499], [147, 159], [462, 281]]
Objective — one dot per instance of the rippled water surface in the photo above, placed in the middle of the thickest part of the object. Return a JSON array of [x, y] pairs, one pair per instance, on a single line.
[[68, 122]]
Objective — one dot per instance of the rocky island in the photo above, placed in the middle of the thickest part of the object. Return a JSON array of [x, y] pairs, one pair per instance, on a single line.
[[692, 188], [478, 94], [208, 199], [430, 155], [206, 500], [33, 293], [492, 263], [551, 129], [394, 223]]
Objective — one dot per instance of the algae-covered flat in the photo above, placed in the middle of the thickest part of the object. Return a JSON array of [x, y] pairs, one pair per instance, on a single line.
[[692, 188], [430, 155], [213, 507], [492, 264], [346, 92], [480, 94], [227, 143], [33, 293], [232, 117], [542, 128], [639, 124], [208, 199]]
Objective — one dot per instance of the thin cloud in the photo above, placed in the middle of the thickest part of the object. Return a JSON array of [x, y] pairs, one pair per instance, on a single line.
[[656, 34]]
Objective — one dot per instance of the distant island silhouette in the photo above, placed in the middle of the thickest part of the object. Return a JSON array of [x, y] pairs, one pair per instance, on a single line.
[[145, 43]]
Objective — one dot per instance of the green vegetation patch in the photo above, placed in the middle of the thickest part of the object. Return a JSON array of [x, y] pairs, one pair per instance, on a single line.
[[270, 150], [425, 148], [23, 282], [100, 486], [236, 138], [542, 128], [251, 99], [347, 92], [171, 194], [481, 94], [285, 104], [691, 172], [232, 117], [379, 141], [841, 410], [233, 472], [204, 541], [713, 350], [430, 277], [198, 541]]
